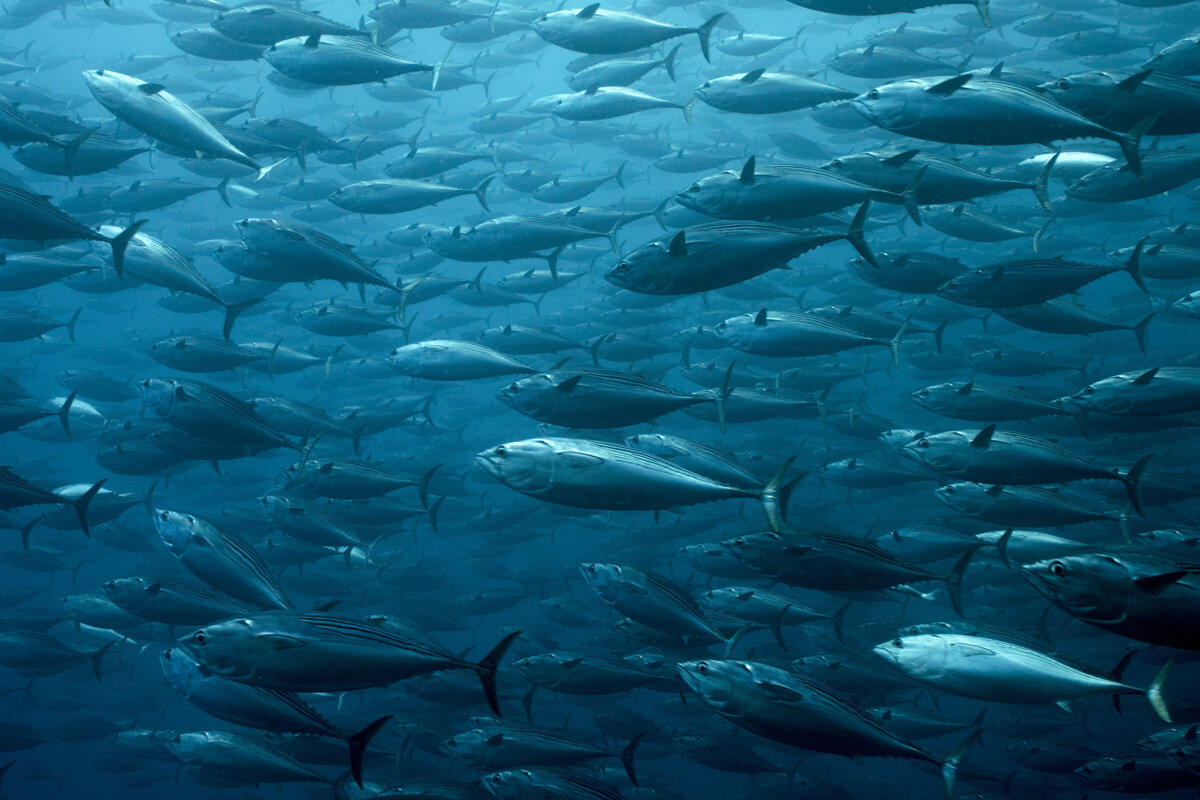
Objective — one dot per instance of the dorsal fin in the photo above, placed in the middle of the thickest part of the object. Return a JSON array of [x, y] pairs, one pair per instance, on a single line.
[[761, 317], [1145, 377], [752, 76], [589, 11], [747, 176], [984, 437], [900, 159], [678, 245], [949, 86]]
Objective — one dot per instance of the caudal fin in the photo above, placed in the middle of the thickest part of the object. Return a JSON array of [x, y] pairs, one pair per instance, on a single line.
[[773, 498], [1041, 183], [480, 192], [232, 312], [627, 757], [1132, 480], [81, 505], [358, 746], [855, 234], [64, 412], [487, 671], [1131, 143], [120, 243], [704, 32]]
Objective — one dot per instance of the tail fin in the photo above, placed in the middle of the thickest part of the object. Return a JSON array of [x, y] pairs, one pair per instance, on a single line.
[[1132, 480], [358, 746], [1134, 265], [480, 192], [855, 234], [950, 765], [487, 671], [940, 331], [71, 324], [120, 243], [81, 505], [71, 148], [95, 659], [1131, 143], [1139, 330], [223, 190], [423, 485], [1040, 184], [231, 314], [64, 411], [669, 61], [894, 344], [954, 581], [627, 757], [704, 32], [772, 498], [985, 13], [909, 197], [722, 396], [1155, 694]]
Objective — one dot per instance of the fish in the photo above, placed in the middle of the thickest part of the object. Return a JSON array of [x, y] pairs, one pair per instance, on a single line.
[[310, 652]]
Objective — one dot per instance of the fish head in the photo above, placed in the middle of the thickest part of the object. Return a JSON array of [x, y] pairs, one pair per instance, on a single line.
[[738, 331], [715, 195], [409, 358], [922, 657], [605, 579], [894, 106], [540, 669], [715, 682], [761, 551], [897, 438], [177, 530], [469, 747], [513, 784], [1092, 586], [938, 398], [527, 466], [108, 87], [965, 498], [1086, 93], [231, 647], [273, 508], [125, 591], [948, 453], [181, 670], [534, 395], [1108, 396], [159, 394], [861, 167], [188, 746]]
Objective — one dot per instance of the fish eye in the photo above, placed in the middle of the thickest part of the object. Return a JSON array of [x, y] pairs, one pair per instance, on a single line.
[[514, 388], [1058, 569], [873, 94], [199, 637], [622, 266], [924, 393], [836, 163], [1090, 390], [163, 516], [501, 451], [923, 443], [695, 187], [191, 519], [898, 643], [702, 668], [1063, 83]]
